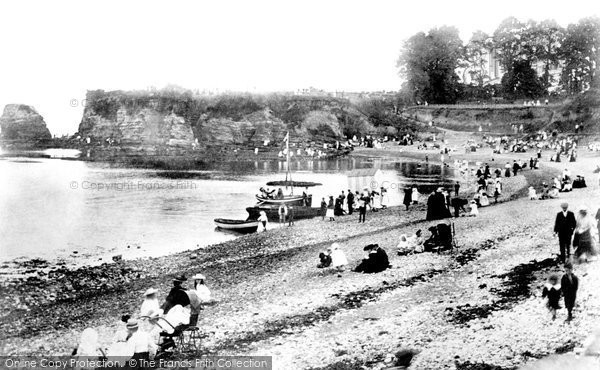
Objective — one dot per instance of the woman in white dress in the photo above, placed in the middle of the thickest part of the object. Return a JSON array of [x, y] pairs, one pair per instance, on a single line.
[[263, 221], [415, 195], [474, 211], [584, 237], [338, 258]]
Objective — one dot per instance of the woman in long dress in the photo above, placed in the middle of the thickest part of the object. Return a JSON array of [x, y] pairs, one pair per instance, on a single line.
[[330, 207], [583, 237]]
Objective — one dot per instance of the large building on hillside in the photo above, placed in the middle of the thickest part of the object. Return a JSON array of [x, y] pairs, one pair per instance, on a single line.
[[492, 71]]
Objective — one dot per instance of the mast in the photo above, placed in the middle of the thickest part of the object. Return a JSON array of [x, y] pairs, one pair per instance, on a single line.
[[287, 151]]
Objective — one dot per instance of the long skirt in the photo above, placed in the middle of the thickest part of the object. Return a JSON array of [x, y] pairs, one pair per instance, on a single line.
[[329, 213], [585, 244]]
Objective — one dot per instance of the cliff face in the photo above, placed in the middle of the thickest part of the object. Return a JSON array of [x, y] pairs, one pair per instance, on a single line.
[[145, 119], [23, 123], [105, 119]]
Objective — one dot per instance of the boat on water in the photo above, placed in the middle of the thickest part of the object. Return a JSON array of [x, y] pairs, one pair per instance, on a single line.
[[301, 200], [240, 226]]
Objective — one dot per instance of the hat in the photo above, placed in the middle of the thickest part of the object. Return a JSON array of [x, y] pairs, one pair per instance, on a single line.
[[198, 277], [371, 247], [181, 278], [150, 291], [132, 324]]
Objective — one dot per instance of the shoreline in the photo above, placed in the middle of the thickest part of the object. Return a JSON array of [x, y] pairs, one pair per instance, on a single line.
[[233, 267]]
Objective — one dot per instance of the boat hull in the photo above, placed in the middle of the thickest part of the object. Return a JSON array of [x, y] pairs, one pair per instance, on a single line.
[[243, 227], [296, 200], [272, 212]]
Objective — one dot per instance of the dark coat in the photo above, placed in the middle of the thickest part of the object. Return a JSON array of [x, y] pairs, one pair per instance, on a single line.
[[553, 295], [376, 262], [176, 296], [569, 289], [407, 197], [565, 226], [350, 199]]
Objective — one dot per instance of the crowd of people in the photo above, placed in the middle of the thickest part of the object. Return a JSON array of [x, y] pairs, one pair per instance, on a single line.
[[151, 332], [350, 202]]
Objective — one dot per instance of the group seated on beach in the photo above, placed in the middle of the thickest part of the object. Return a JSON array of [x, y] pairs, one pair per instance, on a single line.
[[439, 240], [153, 333], [333, 257], [411, 244], [376, 260]]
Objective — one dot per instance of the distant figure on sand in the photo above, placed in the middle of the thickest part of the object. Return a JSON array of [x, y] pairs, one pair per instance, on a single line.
[[407, 197], [283, 213], [263, 221], [330, 209]]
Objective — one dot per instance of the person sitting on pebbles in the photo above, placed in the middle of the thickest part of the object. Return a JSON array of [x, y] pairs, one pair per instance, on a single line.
[[324, 259], [532, 193], [474, 210], [375, 261], [338, 258], [202, 291]]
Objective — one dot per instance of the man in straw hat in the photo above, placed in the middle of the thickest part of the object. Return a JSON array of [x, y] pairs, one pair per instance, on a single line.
[[140, 342]]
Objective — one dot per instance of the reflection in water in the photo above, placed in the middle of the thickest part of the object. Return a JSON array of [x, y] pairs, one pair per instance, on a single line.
[[53, 208]]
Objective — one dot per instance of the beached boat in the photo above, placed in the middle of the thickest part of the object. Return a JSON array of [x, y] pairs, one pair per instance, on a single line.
[[288, 199], [240, 226], [272, 212]]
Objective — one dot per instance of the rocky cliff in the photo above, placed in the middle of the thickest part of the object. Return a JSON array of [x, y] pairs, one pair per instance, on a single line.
[[179, 119], [23, 124], [111, 118]]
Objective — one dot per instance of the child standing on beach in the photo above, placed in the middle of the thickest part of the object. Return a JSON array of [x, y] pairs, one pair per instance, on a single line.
[[569, 285], [552, 292]]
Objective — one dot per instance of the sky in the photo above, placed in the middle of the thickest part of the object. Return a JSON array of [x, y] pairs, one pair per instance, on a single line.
[[54, 51]]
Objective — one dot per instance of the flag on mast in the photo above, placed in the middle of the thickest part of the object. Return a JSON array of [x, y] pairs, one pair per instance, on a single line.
[[287, 137]]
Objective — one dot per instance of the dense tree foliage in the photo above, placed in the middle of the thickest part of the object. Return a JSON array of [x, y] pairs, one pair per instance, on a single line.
[[535, 59], [429, 63]]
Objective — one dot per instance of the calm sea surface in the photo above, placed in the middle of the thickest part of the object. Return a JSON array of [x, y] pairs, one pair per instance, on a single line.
[[72, 210]]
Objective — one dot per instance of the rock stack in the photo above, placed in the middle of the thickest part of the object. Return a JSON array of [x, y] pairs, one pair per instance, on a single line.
[[23, 124]]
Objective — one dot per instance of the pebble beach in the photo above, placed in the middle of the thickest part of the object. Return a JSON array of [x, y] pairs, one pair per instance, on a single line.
[[477, 307]]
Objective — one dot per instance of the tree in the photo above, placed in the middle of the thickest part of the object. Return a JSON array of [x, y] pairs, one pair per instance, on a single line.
[[476, 57], [508, 41], [547, 37], [521, 81], [428, 64], [581, 53]]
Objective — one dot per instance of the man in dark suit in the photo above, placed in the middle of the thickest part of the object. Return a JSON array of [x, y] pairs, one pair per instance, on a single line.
[[564, 226], [350, 200]]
